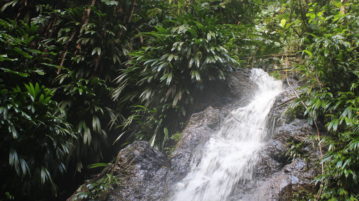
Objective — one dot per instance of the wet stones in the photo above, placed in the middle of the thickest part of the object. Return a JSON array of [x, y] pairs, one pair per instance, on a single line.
[[289, 162], [147, 174]]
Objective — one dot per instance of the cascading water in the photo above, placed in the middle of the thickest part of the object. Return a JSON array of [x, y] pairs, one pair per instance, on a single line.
[[230, 154]]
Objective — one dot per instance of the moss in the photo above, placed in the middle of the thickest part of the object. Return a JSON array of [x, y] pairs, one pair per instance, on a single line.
[[303, 193], [276, 74], [172, 143], [97, 189], [295, 110]]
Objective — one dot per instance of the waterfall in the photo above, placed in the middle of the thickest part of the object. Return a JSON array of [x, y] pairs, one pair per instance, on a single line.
[[230, 155]]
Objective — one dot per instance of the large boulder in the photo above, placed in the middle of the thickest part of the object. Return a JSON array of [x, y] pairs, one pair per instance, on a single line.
[[147, 174], [142, 170]]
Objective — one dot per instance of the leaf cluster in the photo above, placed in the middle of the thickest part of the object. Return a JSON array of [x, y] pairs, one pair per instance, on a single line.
[[329, 44]]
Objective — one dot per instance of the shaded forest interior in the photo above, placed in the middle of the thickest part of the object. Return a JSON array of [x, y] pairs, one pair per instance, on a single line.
[[80, 80]]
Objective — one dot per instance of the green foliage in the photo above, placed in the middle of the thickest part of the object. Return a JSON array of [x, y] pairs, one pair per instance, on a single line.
[[276, 74], [325, 33], [37, 137], [329, 43], [88, 114], [180, 60], [62, 64], [185, 55], [53, 118], [144, 124], [172, 142], [74, 73], [296, 149], [303, 193], [98, 189]]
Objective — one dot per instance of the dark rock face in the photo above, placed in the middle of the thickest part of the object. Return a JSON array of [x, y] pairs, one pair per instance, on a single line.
[[195, 134], [221, 93], [142, 170], [241, 86], [148, 175], [151, 174]]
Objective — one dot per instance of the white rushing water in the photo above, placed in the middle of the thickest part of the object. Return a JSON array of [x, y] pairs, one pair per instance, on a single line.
[[231, 153]]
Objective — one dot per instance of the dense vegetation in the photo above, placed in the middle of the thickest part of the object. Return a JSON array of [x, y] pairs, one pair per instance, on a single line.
[[328, 33], [80, 80]]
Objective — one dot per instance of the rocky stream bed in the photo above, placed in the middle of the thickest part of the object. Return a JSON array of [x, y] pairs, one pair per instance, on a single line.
[[286, 167]]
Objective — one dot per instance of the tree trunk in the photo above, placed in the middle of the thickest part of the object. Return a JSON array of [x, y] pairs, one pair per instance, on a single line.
[[342, 8]]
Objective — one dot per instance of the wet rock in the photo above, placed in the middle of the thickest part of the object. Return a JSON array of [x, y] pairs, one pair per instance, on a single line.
[[285, 184], [141, 169], [147, 175], [237, 88], [279, 176], [241, 86], [196, 133]]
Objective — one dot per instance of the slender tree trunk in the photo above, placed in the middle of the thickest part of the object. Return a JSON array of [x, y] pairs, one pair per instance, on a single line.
[[87, 13], [132, 9], [85, 21], [342, 8]]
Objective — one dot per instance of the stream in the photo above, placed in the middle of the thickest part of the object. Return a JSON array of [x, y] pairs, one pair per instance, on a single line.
[[230, 155]]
